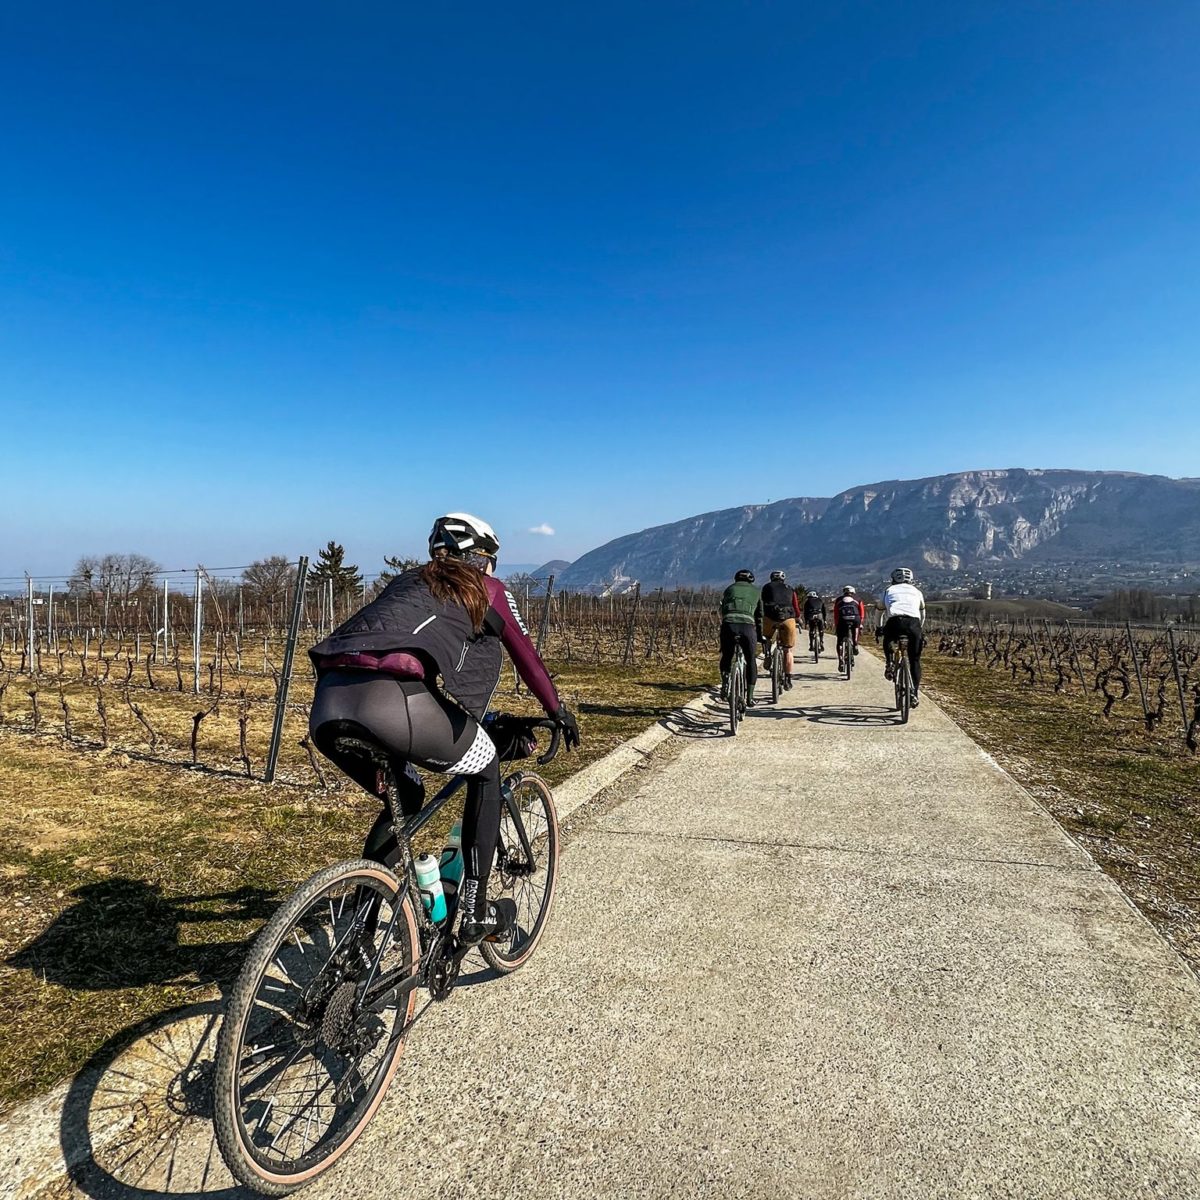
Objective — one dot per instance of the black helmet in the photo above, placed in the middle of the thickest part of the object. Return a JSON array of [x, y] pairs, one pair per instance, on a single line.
[[744, 577], [460, 534], [778, 577]]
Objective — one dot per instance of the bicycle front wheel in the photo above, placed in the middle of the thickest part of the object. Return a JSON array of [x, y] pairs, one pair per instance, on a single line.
[[301, 1064], [526, 870]]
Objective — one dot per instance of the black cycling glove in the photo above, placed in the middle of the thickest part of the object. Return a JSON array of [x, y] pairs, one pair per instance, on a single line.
[[565, 720]]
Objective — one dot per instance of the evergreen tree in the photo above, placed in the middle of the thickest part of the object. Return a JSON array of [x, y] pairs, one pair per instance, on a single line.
[[330, 566], [395, 564]]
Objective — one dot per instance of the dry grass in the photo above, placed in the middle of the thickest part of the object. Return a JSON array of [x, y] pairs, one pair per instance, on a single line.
[[129, 883], [1131, 799]]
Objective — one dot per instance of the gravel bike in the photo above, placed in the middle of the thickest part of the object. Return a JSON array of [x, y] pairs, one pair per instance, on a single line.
[[780, 681], [816, 640], [846, 652], [318, 1016], [902, 678], [735, 690]]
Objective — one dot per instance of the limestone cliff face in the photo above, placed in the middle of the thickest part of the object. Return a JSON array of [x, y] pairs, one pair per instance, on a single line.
[[947, 522]]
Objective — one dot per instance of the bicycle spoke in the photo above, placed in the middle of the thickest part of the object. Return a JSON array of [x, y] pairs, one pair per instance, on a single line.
[[308, 1058]]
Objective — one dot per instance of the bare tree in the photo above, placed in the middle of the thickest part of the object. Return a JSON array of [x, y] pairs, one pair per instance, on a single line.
[[266, 580]]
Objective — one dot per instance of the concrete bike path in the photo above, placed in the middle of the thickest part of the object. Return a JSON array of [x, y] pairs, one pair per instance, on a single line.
[[830, 957]]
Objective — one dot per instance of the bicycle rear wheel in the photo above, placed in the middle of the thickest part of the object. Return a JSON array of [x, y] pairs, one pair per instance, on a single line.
[[300, 1066], [904, 688], [737, 681], [776, 679], [526, 870]]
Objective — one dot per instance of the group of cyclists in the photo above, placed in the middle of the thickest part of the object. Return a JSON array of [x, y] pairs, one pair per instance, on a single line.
[[415, 669], [752, 618]]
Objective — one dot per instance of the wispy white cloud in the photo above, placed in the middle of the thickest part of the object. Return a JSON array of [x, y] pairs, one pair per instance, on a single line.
[[544, 529]]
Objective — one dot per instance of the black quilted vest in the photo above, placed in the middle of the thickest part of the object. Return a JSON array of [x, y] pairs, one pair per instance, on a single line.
[[405, 616]]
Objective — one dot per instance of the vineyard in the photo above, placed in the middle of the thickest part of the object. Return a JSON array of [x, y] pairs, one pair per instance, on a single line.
[[1155, 672], [208, 686]]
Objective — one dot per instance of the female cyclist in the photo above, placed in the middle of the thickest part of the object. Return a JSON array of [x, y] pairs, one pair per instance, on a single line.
[[379, 672]]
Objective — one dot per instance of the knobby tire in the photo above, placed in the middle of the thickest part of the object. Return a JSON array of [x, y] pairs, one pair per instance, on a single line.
[[314, 1034], [531, 886]]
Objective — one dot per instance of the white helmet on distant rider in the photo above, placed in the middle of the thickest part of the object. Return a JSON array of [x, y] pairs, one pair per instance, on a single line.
[[902, 575], [461, 534], [848, 590], [778, 577]]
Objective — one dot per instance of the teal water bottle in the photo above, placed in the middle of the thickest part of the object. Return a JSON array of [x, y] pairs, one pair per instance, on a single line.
[[433, 895], [451, 865]]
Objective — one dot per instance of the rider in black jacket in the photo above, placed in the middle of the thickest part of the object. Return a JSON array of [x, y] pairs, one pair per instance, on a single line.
[[415, 670]]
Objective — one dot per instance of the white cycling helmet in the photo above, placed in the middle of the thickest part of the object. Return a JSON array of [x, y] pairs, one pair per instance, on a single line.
[[902, 575], [460, 534], [848, 590]]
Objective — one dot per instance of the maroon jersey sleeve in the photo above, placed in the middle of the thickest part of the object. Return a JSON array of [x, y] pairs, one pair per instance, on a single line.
[[515, 639]]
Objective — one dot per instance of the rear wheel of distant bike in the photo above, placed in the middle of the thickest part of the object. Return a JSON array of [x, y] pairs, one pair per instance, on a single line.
[[814, 644], [737, 681], [526, 870], [301, 1066], [776, 680], [903, 689]]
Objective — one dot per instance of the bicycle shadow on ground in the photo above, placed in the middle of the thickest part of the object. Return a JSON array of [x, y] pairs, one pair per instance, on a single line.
[[124, 933], [137, 1120], [711, 722], [850, 715], [812, 677]]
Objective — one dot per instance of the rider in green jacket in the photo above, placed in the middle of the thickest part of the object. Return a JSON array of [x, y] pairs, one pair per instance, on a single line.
[[741, 621]]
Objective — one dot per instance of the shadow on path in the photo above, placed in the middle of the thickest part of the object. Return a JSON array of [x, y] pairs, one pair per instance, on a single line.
[[125, 933], [137, 1121], [852, 715], [711, 722]]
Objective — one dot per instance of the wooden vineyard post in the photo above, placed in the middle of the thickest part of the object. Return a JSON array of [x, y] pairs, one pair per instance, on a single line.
[[1037, 654], [1075, 656], [1178, 679], [1137, 670], [652, 640], [627, 656], [197, 630], [31, 661], [285, 675], [544, 623]]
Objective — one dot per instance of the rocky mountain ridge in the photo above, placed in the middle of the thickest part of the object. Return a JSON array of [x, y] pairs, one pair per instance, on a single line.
[[947, 524]]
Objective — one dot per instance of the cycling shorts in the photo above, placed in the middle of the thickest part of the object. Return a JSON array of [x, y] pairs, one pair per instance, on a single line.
[[785, 629]]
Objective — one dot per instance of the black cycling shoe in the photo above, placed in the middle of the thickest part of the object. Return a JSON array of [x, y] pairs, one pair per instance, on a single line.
[[916, 699], [501, 918], [751, 702]]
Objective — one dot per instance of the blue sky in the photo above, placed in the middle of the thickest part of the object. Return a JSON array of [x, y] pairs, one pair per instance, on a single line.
[[275, 273]]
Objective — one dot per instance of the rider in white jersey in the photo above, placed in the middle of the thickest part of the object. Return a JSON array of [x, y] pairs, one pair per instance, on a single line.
[[904, 608]]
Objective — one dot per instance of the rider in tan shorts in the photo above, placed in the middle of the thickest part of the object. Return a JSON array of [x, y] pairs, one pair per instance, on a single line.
[[781, 611]]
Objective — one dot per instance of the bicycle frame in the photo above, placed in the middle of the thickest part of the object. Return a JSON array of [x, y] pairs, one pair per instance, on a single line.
[[373, 992]]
